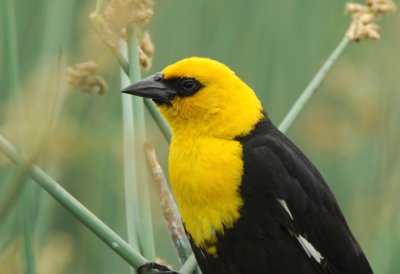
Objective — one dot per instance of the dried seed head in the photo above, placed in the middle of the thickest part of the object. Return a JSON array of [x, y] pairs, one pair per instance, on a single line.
[[352, 8], [146, 44], [84, 76], [146, 51], [358, 31], [111, 23], [372, 31], [364, 17], [381, 6]]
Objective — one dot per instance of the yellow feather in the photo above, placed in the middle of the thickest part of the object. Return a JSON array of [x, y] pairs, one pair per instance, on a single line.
[[205, 174]]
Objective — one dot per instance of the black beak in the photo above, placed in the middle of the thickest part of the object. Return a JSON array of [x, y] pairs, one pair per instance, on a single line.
[[152, 87]]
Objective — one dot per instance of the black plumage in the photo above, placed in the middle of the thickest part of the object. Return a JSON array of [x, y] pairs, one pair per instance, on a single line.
[[265, 239]]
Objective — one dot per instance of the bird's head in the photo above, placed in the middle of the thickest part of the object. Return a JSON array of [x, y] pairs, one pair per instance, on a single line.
[[202, 97]]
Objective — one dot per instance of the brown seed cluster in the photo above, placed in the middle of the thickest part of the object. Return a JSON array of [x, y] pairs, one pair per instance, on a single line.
[[364, 18], [146, 51], [85, 77], [112, 22]]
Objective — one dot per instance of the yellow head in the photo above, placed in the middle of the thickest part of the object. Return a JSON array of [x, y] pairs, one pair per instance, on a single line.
[[202, 97]]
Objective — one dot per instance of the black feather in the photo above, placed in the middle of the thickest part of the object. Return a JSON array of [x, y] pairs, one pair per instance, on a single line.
[[263, 240]]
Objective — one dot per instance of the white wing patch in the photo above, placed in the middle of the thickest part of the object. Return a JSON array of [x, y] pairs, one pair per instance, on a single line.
[[284, 205], [306, 245], [309, 249]]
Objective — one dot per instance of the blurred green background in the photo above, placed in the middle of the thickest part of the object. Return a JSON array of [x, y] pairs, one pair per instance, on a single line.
[[350, 130]]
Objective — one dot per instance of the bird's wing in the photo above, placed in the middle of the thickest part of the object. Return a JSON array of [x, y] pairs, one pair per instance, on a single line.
[[313, 215]]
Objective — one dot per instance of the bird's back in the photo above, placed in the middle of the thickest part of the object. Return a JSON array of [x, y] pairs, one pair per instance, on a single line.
[[290, 221]]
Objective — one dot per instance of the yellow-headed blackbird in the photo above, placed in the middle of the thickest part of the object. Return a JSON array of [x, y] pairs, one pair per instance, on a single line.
[[250, 200]]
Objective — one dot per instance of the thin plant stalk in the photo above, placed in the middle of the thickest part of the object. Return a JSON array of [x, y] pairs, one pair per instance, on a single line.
[[18, 184], [86, 217], [26, 210], [130, 180], [56, 30], [310, 90], [121, 58], [10, 44], [154, 112], [15, 186], [168, 205], [160, 121], [99, 4], [146, 235], [57, 96], [7, 238], [189, 266], [11, 50]]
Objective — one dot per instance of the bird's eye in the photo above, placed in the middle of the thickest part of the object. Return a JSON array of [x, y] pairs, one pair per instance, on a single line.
[[189, 86]]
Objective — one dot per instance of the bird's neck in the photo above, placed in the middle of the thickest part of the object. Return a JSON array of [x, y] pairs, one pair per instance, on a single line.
[[205, 175]]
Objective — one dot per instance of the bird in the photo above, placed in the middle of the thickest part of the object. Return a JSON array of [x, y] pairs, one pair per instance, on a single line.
[[250, 200]]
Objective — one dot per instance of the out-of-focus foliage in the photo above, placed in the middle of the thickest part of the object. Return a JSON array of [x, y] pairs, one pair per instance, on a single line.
[[350, 130]]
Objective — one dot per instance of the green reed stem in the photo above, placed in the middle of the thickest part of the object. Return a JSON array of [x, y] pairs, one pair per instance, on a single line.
[[16, 185], [99, 4], [8, 238], [27, 216], [121, 58], [10, 43], [151, 107], [9, 32], [306, 95], [189, 266], [130, 180], [56, 35], [14, 188], [86, 217], [160, 121], [56, 97], [146, 238]]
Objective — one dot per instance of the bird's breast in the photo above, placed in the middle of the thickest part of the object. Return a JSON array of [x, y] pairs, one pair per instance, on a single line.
[[205, 175]]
